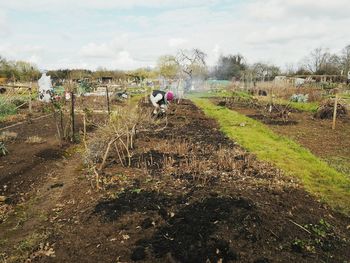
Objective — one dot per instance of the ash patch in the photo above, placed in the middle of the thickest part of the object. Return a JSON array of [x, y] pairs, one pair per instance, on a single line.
[[132, 201], [191, 235]]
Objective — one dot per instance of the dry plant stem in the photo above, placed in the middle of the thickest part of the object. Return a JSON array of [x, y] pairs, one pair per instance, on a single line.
[[21, 105], [303, 228], [133, 131], [120, 158], [127, 150], [127, 136], [97, 179], [107, 151]]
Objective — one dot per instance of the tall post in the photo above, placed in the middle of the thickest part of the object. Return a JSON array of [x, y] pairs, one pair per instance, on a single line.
[[335, 111], [107, 98], [30, 98], [72, 116]]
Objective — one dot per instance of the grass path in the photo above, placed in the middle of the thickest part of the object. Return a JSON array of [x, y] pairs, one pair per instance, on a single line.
[[316, 175]]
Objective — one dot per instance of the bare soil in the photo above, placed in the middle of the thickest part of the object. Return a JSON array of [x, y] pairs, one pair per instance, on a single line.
[[28, 163], [313, 133], [190, 195]]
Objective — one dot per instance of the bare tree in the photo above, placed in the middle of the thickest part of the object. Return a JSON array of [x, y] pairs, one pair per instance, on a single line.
[[321, 61], [345, 59], [262, 71], [192, 62]]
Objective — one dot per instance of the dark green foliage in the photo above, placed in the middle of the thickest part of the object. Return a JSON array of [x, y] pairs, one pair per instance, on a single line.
[[230, 67]]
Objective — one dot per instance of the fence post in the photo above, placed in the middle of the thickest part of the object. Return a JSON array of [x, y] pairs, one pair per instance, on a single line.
[[107, 97], [72, 117], [30, 98], [335, 111]]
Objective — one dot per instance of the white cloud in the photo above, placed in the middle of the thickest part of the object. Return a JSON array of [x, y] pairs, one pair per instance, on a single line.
[[21, 52], [97, 50], [105, 50], [177, 42]]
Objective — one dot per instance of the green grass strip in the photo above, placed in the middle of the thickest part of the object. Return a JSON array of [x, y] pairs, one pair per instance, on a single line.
[[316, 175], [302, 106]]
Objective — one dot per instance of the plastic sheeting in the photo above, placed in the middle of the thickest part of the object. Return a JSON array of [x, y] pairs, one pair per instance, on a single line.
[[45, 88]]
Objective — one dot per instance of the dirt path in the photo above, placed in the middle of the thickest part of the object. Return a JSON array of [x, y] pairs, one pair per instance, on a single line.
[[191, 195], [26, 163]]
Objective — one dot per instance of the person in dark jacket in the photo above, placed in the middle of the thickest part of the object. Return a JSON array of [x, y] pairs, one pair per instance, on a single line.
[[160, 100]]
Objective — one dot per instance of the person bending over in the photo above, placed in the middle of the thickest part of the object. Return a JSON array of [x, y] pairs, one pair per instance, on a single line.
[[160, 100]]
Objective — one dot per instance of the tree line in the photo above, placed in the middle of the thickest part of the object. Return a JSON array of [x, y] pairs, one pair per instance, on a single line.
[[319, 61], [18, 70], [191, 64]]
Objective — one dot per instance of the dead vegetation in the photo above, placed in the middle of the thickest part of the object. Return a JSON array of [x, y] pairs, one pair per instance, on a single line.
[[326, 110], [277, 112], [270, 112], [115, 141]]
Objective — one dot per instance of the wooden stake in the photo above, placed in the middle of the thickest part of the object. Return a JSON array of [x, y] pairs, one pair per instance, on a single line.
[[72, 116], [30, 98], [107, 95], [335, 111]]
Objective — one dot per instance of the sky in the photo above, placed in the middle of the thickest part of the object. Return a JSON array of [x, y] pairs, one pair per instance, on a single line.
[[128, 34]]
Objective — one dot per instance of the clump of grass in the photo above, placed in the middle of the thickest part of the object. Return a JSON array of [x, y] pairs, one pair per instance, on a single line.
[[35, 140], [316, 175], [3, 149], [307, 106]]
